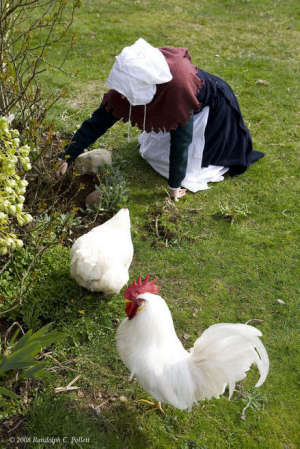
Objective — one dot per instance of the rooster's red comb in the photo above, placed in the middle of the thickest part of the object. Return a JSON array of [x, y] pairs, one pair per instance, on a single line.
[[138, 287]]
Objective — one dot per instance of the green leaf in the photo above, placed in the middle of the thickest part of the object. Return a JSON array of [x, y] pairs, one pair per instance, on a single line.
[[13, 339], [29, 336], [14, 363], [35, 371], [27, 348], [23, 340], [6, 392]]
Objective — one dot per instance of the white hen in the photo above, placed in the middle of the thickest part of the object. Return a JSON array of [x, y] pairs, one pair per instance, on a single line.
[[149, 347], [100, 259]]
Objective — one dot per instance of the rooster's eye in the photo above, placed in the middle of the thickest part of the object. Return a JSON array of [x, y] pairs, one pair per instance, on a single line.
[[141, 307]]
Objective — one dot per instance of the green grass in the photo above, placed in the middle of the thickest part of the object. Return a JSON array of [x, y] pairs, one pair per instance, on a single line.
[[223, 272]]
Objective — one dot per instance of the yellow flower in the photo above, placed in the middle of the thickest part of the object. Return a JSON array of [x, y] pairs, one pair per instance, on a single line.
[[82, 312]]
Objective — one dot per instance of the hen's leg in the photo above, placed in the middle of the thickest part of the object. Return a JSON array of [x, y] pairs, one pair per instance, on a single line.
[[156, 405]]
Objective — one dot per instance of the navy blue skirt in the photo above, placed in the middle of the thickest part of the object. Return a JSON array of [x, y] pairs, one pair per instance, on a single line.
[[227, 138]]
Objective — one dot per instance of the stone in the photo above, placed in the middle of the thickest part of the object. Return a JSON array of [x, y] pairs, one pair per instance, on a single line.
[[93, 198], [91, 161]]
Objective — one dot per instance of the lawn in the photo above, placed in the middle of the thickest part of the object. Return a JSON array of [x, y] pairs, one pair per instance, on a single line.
[[231, 253]]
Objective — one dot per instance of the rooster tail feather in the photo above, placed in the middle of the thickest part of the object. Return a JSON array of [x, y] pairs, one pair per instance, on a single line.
[[223, 355], [262, 362]]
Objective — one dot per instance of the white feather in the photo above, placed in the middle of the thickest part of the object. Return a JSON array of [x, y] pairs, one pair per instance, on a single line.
[[100, 259], [151, 350]]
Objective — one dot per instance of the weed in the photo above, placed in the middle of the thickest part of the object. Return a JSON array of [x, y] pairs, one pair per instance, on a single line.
[[58, 227], [164, 223], [113, 190], [233, 212]]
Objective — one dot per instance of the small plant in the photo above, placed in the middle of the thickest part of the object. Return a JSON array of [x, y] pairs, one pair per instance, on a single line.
[[66, 224], [18, 361], [254, 399], [20, 355], [165, 223], [57, 228], [233, 212], [113, 189], [14, 161]]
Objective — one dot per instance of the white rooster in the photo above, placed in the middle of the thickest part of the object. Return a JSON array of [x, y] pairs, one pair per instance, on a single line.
[[100, 259], [149, 347]]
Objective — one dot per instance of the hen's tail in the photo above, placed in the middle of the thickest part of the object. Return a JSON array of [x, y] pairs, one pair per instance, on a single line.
[[222, 356]]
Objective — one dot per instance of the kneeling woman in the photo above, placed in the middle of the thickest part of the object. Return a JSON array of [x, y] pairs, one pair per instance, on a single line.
[[193, 130]]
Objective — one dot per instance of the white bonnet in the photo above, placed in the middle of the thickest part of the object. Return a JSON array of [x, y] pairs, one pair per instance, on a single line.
[[136, 72]]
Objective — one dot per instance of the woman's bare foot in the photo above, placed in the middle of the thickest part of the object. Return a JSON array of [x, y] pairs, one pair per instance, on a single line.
[[176, 194]]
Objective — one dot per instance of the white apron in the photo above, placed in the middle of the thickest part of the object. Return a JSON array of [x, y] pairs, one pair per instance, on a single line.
[[155, 149]]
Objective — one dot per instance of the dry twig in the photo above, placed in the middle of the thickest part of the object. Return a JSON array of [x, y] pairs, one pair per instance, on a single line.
[[48, 355], [255, 320], [16, 323], [16, 426], [68, 387], [156, 225], [243, 415]]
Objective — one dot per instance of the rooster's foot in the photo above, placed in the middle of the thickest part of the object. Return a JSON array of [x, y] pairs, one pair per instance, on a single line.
[[156, 405]]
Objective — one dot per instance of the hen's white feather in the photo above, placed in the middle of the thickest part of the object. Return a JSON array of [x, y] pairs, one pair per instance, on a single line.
[[100, 259], [150, 348]]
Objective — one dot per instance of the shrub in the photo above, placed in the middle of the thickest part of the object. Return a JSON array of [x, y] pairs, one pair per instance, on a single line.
[[14, 161], [28, 29]]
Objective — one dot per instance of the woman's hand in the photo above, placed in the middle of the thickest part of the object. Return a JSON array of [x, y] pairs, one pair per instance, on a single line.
[[175, 194], [62, 168]]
